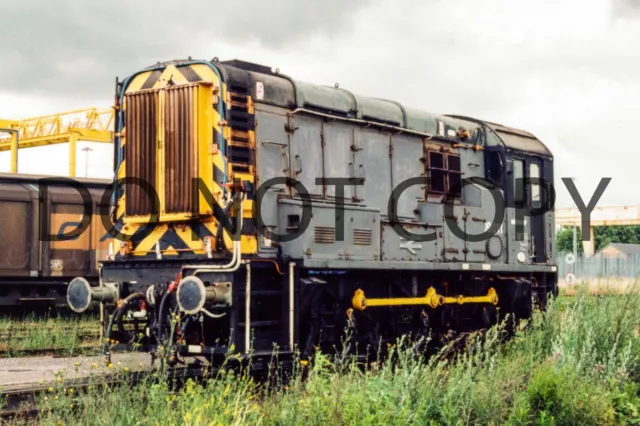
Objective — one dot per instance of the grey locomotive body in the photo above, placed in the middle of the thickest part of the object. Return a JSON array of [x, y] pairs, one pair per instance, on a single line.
[[364, 215]]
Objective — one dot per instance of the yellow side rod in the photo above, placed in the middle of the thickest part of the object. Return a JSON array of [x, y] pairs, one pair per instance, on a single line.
[[431, 299]]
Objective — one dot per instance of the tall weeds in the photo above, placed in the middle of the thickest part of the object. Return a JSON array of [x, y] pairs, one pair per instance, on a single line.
[[577, 363]]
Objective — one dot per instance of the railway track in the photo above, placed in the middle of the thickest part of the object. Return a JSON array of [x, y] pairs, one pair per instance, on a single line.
[[19, 327], [37, 339], [60, 351], [21, 404], [27, 334], [26, 330], [25, 403]]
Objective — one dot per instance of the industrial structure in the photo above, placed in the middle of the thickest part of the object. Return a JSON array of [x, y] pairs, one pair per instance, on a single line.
[[38, 260], [600, 216], [90, 125]]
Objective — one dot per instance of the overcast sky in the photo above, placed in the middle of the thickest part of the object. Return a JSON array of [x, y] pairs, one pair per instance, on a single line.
[[566, 70]]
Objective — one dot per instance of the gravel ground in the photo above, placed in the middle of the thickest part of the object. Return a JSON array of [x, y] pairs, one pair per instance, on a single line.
[[25, 372]]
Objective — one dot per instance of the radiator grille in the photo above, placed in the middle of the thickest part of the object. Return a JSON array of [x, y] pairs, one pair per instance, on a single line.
[[140, 150], [362, 237], [324, 234], [181, 160]]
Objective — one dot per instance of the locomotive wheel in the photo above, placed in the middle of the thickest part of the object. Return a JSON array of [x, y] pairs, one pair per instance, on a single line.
[[424, 335], [312, 340], [515, 303]]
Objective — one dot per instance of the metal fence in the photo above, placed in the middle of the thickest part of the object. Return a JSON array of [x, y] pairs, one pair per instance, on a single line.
[[599, 266]]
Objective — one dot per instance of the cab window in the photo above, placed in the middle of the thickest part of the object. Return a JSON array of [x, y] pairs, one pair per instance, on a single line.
[[518, 181], [534, 173]]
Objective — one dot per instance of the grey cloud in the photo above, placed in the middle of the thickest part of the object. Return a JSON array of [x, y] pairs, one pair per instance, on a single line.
[[626, 8], [76, 48]]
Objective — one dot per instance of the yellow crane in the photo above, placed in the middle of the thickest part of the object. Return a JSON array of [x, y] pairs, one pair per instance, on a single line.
[[90, 124]]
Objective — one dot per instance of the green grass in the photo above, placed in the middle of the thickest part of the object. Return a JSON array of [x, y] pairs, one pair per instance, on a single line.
[[577, 364], [68, 334]]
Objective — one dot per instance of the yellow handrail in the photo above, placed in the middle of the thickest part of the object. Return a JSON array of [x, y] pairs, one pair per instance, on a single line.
[[431, 299]]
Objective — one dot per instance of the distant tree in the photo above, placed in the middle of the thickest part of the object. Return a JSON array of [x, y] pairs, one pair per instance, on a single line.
[[564, 240], [604, 235]]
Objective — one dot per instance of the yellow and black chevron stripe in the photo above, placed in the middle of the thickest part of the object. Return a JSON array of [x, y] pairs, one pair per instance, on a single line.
[[232, 151]]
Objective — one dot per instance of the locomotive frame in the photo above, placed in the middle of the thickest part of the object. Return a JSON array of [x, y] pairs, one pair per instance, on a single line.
[[393, 208]]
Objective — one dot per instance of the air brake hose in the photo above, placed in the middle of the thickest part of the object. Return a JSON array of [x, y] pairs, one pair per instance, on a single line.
[[161, 311], [106, 351], [160, 321], [123, 310], [118, 313]]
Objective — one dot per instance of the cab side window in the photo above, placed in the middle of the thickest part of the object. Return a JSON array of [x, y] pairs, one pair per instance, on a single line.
[[534, 173], [445, 174], [454, 181], [518, 182]]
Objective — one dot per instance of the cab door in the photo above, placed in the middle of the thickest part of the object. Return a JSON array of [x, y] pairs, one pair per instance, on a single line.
[[535, 200], [518, 222]]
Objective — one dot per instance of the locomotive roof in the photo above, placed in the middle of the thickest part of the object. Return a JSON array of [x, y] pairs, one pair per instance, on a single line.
[[280, 90]]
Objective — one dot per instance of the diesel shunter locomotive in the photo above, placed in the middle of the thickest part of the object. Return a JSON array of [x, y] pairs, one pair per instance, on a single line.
[[255, 211]]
